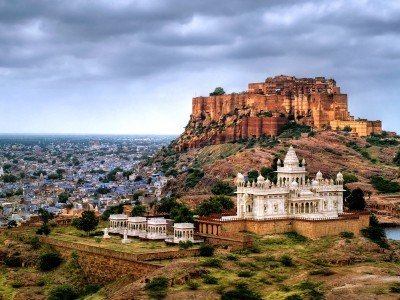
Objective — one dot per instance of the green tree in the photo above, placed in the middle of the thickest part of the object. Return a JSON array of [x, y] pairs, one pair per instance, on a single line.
[[138, 210], [63, 292], [252, 175], [223, 188], [214, 205], [49, 261], [63, 197], [88, 222], [218, 91], [166, 205], [347, 128], [356, 200], [12, 224], [181, 214], [45, 216], [9, 178]]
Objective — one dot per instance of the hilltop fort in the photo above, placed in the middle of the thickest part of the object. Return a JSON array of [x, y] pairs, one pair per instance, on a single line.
[[267, 106]]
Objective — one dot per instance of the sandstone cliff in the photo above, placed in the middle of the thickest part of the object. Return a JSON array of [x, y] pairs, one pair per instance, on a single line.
[[264, 108]]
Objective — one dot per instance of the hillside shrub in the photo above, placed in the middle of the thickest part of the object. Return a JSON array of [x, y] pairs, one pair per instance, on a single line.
[[13, 261], [194, 178], [90, 289], [395, 288], [157, 287], [206, 250], [241, 291], [49, 261], [287, 261], [63, 292], [185, 245], [193, 285], [347, 234], [349, 178], [208, 279], [212, 262], [385, 186], [323, 271], [245, 274], [293, 130]]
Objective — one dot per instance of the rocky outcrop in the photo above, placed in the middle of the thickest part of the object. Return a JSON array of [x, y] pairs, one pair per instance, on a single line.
[[263, 109]]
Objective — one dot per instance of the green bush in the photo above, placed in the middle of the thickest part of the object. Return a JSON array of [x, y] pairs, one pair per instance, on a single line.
[[35, 243], [206, 250], [385, 186], [194, 178], [395, 288], [245, 274], [287, 261], [212, 262], [323, 271], [208, 279], [349, 178], [157, 288], [49, 261], [63, 292], [231, 257], [293, 130], [185, 245], [294, 297], [13, 261], [90, 289], [347, 234], [193, 285], [44, 229], [17, 284], [241, 292]]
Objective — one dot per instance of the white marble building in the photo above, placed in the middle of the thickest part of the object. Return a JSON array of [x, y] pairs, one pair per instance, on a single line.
[[292, 196]]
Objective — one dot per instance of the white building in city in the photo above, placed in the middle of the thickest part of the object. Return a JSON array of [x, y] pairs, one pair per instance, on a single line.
[[292, 196]]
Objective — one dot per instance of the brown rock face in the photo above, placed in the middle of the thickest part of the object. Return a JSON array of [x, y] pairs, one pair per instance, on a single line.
[[263, 109]]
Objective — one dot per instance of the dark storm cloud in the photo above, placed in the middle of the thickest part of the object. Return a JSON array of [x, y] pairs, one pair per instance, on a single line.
[[65, 42]]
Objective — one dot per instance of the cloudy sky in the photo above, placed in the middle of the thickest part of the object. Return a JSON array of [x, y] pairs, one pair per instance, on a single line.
[[133, 66]]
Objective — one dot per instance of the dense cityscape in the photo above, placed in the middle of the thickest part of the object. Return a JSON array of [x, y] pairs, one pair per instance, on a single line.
[[59, 172]]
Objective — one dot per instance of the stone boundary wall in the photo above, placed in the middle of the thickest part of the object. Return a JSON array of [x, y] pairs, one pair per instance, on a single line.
[[167, 254], [233, 244], [310, 228], [102, 266]]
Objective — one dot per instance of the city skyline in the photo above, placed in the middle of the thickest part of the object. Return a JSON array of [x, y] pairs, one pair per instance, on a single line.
[[132, 67]]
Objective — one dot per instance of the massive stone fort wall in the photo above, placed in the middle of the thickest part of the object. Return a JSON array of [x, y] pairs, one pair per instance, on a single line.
[[266, 106]]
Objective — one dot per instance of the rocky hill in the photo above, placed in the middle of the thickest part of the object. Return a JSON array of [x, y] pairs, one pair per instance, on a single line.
[[266, 107], [197, 170]]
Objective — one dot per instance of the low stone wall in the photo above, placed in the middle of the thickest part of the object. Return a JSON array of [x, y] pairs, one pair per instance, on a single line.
[[103, 265], [310, 228], [168, 254], [233, 243]]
